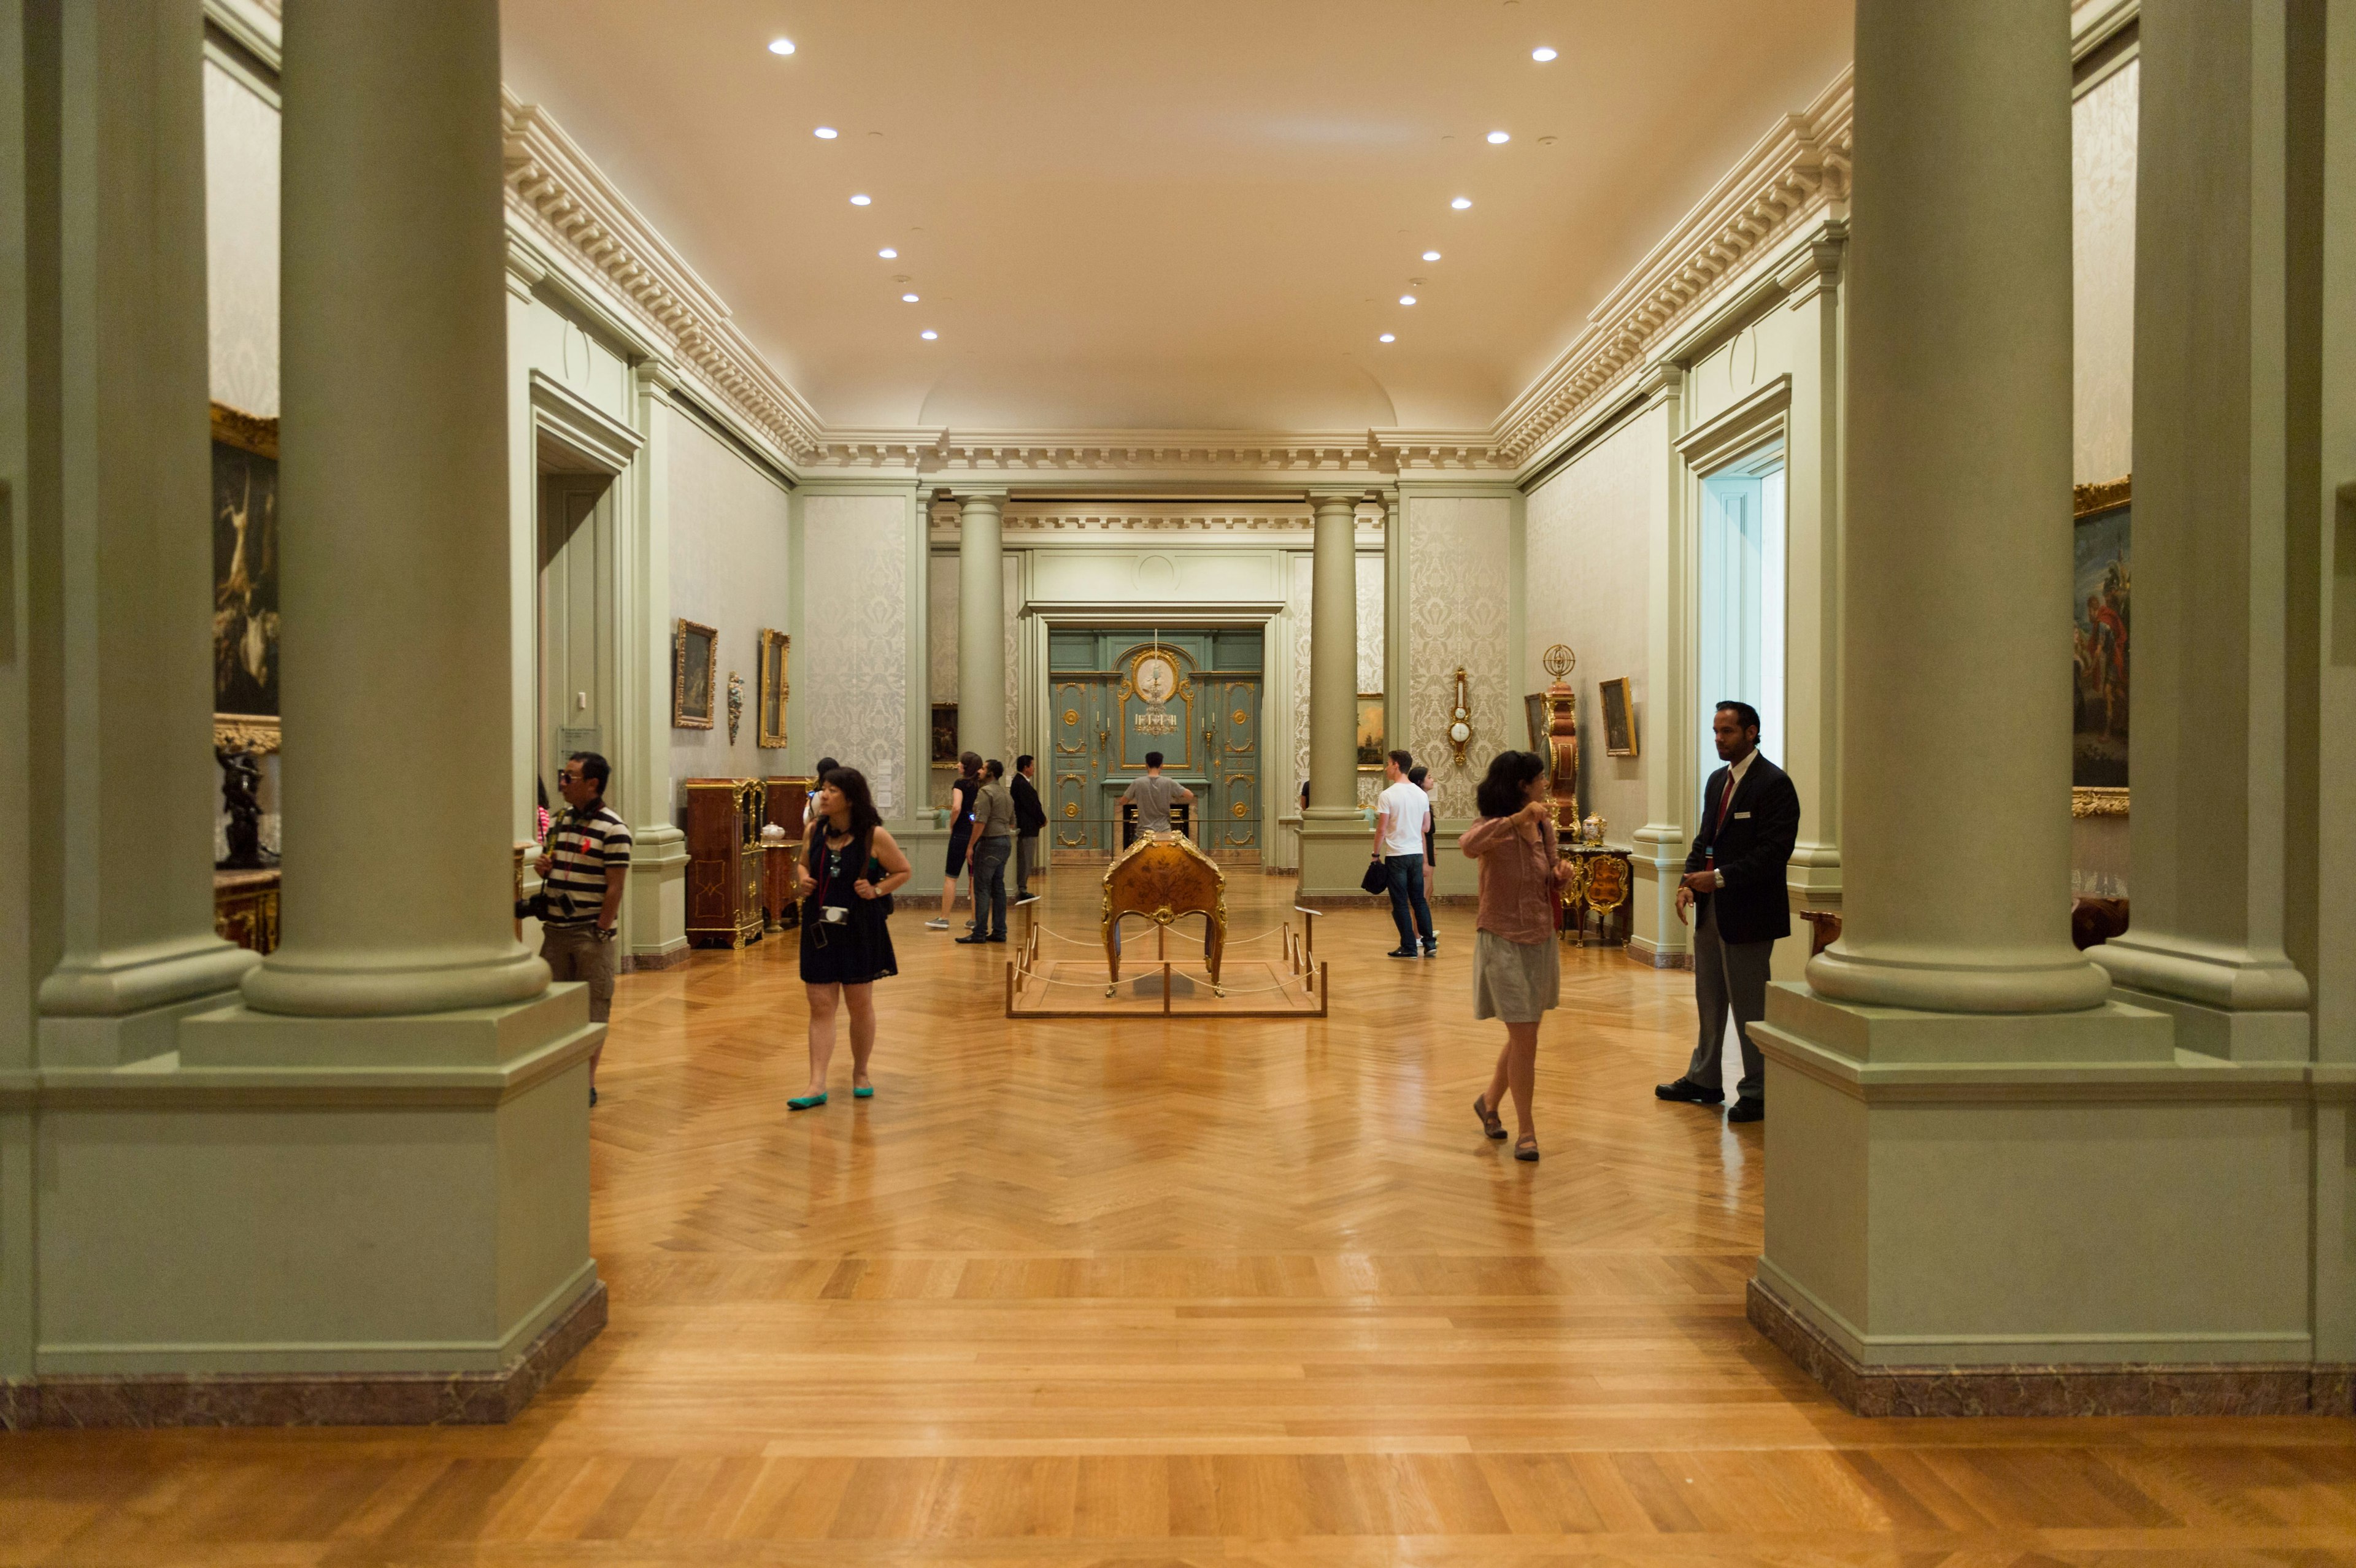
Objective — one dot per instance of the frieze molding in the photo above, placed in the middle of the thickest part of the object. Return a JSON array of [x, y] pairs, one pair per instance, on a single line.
[[1797, 171], [1374, 454], [556, 193]]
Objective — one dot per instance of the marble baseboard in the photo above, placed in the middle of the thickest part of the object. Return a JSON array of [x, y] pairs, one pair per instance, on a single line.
[[324, 1399], [2211, 1389], [640, 963]]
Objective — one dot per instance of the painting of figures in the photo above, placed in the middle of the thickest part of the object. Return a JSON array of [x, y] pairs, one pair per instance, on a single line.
[[2103, 619], [245, 567]]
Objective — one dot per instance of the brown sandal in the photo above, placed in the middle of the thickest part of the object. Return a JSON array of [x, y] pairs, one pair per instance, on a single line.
[[1527, 1148], [1491, 1123]]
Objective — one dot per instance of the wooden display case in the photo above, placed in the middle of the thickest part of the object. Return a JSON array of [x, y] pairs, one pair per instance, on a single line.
[[724, 861]]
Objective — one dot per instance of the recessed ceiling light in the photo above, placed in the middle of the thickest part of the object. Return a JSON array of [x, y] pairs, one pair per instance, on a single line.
[[781, 45], [928, 334], [1407, 299], [1459, 204], [863, 200], [888, 253], [1387, 337], [1499, 138], [1542, 53], [1431, 255], [826, 133], [907, 299]]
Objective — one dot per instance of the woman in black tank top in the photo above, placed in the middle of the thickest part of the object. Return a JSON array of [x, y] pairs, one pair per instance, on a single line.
[[847, 880]]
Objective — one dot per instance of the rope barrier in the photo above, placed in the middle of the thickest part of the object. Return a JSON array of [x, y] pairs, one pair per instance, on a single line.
[[1024, 979], [1097, 942]]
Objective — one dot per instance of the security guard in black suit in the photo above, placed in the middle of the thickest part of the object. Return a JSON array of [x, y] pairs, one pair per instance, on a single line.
[[1734, 882]]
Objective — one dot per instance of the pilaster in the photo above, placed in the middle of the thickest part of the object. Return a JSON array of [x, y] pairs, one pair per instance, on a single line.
[[982, 627], [1333, 837], [654, 908], [1657, 849]]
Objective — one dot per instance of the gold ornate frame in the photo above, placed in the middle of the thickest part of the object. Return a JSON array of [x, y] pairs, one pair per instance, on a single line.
[[255, 732], [1357, 712], [680, 717], [2086, 501], [1603, 714], [784, 645]]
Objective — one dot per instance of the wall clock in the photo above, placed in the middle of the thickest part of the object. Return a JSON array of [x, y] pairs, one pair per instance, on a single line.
[[1156, 676], [1459, 717]]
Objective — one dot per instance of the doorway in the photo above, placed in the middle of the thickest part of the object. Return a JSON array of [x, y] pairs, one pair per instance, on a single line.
[[576, 638], [1740, 611]]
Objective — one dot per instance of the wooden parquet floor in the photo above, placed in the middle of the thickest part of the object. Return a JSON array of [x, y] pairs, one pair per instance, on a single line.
[[1138, 1294]]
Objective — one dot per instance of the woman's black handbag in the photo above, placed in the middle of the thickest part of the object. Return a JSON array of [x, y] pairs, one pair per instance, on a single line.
[[1377, 879]]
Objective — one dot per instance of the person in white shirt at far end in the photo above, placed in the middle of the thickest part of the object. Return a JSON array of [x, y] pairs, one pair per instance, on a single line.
[[1400, 814]]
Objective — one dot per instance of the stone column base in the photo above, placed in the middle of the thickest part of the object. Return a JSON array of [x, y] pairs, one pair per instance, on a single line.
[[321, 1399], [2045, 1389], [1333, 856]]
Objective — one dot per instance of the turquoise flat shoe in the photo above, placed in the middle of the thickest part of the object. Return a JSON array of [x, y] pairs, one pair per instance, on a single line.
[[805, 1102], [866, 1093]]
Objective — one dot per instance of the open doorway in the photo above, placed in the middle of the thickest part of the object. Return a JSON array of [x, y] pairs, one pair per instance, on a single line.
[[574, 598], [1740, 611]]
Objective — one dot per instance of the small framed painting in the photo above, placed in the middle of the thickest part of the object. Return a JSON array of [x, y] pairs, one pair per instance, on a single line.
[[1619, 718], [695, 676], [775, 645], [2103, 600], [1371, 745], [945, 734]]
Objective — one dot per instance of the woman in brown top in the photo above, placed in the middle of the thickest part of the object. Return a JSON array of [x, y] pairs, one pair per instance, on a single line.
[[1516, 968]]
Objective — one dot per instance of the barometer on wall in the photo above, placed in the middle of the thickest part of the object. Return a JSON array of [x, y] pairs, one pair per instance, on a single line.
[[1459, 717]]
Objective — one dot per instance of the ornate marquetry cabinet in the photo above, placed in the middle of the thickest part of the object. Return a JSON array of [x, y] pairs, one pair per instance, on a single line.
[[786, 808], [724, 860]]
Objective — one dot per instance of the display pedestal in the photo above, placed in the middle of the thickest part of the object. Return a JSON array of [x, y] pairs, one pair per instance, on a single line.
[[2031, 1213]]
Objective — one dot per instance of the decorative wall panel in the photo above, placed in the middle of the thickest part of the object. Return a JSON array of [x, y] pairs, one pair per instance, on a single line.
[[1586, 531], [1459, 563], [729, 540], [852, 679], [2103, 230], [242, 243]]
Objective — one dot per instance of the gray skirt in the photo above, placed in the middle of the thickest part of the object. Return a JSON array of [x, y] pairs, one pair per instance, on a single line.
[[1514, 981]]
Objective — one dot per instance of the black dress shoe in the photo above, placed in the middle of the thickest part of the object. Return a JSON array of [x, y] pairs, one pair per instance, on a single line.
[[1748, 1110], [1689, 1092], [971, 941], [1401, 952]]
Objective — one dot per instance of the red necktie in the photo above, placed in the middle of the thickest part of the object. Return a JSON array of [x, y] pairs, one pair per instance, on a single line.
[[1725, 801]]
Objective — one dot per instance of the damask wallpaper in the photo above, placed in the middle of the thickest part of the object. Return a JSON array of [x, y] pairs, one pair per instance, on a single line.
[[1458, 562], [729, 543], [242, 243], [941, 656], [1586, 531], [2103, 230], [850, 677], [1370, 666]]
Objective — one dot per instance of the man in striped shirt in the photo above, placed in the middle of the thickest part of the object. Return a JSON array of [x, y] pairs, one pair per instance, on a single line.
[[582, 869]]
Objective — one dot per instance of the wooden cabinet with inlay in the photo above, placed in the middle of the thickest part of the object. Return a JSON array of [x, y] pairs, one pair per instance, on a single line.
[[724, 860]]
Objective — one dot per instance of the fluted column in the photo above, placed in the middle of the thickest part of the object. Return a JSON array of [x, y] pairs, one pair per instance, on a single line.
[[1955, 727], [124, 784], [2223, 502], [395, 587], [981, 628]]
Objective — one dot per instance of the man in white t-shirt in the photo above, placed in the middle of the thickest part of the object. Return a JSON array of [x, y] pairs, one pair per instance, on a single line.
[[1400, 815]]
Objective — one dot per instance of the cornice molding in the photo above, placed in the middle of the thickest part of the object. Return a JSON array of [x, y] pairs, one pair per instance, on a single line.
[[1797, 170], [556, 193], [1029, 518]]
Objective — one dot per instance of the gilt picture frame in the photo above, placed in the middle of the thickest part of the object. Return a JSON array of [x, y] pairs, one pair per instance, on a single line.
[[1618, 717], [695, 676], [244, 527], [945, 734], [1372, 746], [775, 648], [1540, 719], [2102, 614]]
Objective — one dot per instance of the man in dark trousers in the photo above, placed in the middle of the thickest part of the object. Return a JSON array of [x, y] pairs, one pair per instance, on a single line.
[[1029, 818], [1734, 884]]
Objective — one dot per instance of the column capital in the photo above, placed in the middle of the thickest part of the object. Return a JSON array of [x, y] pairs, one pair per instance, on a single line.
[[525, 268], [994, 500], [1326, 501], [658, 378], [1815, 269], [1660, 381]]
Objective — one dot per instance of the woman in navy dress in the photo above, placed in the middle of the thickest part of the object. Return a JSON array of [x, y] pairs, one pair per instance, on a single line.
[[846, 886]]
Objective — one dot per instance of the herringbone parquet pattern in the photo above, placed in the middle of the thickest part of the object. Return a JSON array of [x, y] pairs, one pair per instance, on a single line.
[[1150, 1293]]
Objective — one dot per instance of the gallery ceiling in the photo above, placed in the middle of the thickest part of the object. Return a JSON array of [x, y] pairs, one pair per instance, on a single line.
[[1189, 215]]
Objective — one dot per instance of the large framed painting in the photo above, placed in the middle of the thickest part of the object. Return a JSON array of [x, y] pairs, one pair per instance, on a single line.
[[1372, 745], [695, 676], [2103, 618], [1619, 718], [245, 580], [1540, 719], [945, 733], [774, 647]]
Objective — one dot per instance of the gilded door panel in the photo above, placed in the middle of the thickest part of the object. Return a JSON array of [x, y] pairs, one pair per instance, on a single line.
[[1234, 718]]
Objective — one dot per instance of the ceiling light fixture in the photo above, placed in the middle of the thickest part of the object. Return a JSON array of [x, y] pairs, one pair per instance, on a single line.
[[1387, 337], [1459, 204], [907, 299], [1431, 255], [888, 253], [1407, 299], [863, 200], [781, 45], [1499, 138], [826, 133], [928, 334], [1542, 53]]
